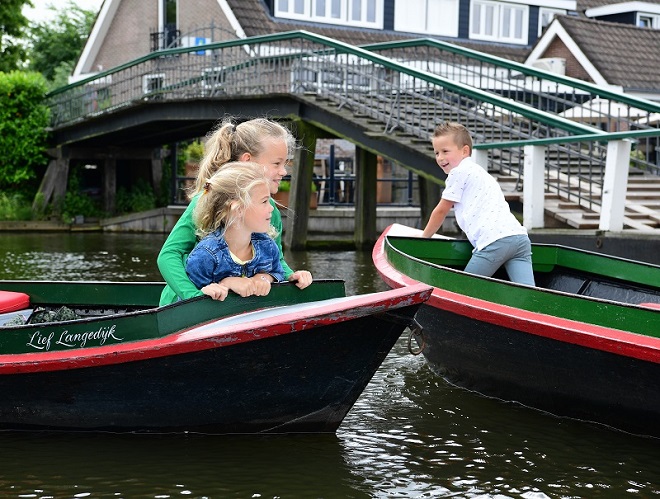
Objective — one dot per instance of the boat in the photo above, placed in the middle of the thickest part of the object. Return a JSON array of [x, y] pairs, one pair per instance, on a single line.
[[294, 361], [583, 343]]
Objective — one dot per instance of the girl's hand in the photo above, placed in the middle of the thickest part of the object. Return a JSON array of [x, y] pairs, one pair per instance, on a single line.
[[240, 285], [303, 278], [261, 284], [216, 291]]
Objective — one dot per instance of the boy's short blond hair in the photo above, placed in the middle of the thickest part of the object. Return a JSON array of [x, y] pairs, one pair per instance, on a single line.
[[460, 135]]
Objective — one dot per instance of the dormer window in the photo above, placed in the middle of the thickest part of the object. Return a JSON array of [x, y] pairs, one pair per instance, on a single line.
[[648, 21]]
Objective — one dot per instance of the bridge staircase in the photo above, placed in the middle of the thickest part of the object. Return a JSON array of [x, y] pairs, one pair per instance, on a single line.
[[642, 210]]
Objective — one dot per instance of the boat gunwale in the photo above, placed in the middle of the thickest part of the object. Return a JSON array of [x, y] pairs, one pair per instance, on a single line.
[[185, 341], [616, 341]]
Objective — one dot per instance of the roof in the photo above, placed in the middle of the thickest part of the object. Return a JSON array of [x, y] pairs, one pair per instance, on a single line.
[[255, 20], [584, 5], [625, 55]]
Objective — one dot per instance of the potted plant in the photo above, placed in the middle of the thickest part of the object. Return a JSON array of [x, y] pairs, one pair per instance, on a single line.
[[282, 195], [193, 154]]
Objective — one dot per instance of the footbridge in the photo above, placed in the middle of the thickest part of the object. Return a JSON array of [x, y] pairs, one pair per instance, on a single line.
[[564, 149]]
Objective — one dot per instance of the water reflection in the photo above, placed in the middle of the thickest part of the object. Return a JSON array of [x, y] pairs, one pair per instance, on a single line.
[[76, 256], [410, 434], [166, 466]]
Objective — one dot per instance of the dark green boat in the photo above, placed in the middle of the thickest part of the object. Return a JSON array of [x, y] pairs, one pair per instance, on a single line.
[[583, 343], [109, 358]]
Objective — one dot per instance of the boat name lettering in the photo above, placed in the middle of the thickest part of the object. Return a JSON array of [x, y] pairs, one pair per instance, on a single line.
[[42, 341]]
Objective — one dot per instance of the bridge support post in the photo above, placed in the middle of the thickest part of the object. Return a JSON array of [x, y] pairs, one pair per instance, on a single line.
[[615, 185], [109, 183], [53, 185], [295, 233], [534, 187], [365, 200], [429, 196]]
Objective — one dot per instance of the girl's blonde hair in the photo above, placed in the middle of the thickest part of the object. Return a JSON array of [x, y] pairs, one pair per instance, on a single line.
[[227, 196], [230, 141]]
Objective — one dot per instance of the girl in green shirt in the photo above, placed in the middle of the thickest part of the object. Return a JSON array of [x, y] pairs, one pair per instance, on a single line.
[[259, 140]]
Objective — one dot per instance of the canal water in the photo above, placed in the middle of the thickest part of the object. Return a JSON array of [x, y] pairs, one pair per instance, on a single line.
[[410, 434]]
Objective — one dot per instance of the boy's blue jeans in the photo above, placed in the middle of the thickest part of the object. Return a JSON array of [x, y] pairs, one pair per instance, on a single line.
[[514, 252]]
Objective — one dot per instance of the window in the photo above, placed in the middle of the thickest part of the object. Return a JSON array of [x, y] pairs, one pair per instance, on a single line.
[[648, 21], [546, 16], [292, 9], [365, 13], [497, 21], [434, 17]]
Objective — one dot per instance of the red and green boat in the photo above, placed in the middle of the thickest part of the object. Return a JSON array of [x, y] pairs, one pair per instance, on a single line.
[[293, 361], [583, 343]]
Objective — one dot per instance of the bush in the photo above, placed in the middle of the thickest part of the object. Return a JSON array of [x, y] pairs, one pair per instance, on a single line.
[[76, 203], [23, 141], [14, 207], [140, 198], [285, 186]]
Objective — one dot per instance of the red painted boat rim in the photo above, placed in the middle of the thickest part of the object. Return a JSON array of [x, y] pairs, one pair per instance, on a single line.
[[223, 332]]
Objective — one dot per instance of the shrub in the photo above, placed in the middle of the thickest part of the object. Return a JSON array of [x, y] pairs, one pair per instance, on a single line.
[[24, 118]]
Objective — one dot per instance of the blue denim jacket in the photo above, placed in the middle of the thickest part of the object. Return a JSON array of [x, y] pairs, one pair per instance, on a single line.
[[210, 260]]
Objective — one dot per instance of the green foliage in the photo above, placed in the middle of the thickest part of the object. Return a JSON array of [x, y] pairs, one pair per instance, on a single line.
[[194, 152], [285, 186], [23, 122], [77, 203], [637, 156], [14, 207], [57, 44], [139, 198], [13, 25]]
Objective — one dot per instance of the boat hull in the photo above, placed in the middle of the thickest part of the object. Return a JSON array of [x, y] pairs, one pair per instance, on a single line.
[[303, 382], [558, 377], [274, 368]]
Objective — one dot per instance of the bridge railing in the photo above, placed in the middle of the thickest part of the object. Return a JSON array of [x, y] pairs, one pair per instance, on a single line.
[[604, 108], [401, 98]]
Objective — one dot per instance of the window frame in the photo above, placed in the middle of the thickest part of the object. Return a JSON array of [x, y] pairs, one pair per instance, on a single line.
[[549, 10], [654, 20], [346, 8], [480, 7], [428, 25]]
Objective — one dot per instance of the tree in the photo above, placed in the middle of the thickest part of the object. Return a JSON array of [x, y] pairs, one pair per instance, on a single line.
[[56, 45], [12, 30]]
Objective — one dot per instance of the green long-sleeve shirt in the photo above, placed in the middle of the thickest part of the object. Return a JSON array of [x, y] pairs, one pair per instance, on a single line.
[[172, 257]]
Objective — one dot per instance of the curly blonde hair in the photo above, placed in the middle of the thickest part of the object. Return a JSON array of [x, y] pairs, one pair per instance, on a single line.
[[227, 196], [229, 141]]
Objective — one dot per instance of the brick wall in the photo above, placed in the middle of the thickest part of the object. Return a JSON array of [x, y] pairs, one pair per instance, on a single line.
[[573, 67]]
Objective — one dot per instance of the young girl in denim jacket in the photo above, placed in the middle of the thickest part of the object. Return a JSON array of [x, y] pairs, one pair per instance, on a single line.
[[237, 251]]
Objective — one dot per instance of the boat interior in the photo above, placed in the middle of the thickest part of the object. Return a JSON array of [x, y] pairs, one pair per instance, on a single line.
[[556, 268], [594, 286]]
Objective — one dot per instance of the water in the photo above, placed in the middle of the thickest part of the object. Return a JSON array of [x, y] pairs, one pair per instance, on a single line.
[[410, 434]]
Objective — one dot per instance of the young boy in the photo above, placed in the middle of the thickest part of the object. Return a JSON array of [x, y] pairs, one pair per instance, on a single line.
[[480, 208]]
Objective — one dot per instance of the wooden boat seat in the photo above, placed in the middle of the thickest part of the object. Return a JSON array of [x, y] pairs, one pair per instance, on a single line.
[[587, 285], [11, 301]]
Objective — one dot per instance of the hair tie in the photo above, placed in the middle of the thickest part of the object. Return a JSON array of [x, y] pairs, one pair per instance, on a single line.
[[207, 187], [233, 128]]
